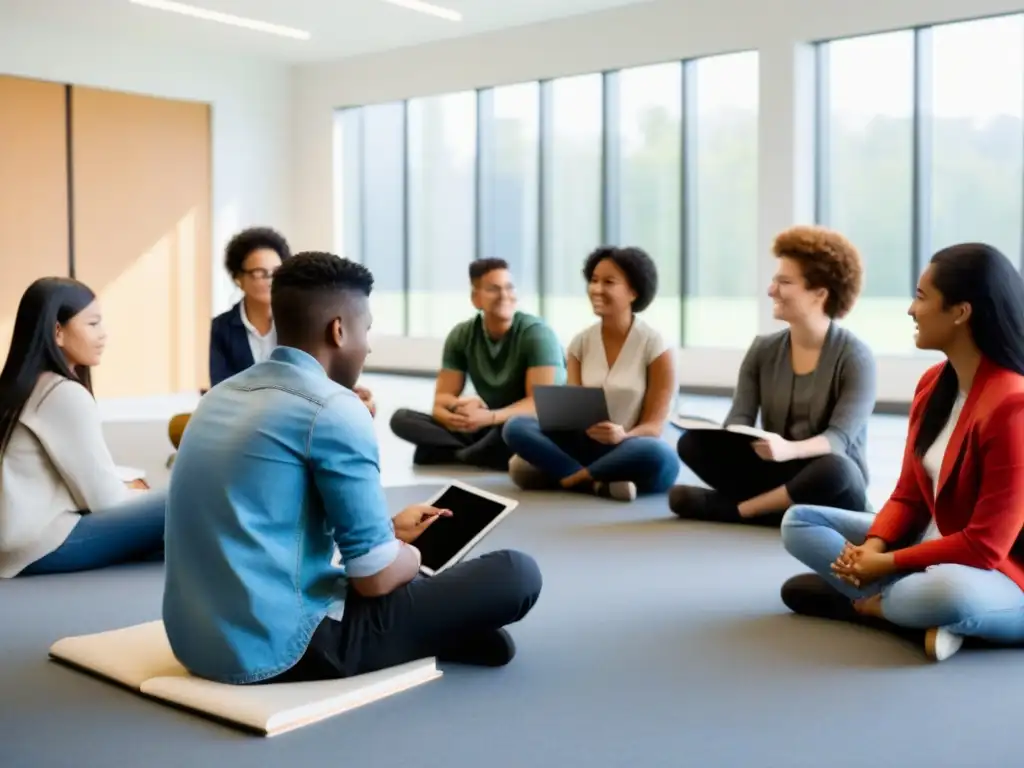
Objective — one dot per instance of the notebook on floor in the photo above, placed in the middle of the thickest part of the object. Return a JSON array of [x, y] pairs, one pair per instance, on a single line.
[[140, 658]]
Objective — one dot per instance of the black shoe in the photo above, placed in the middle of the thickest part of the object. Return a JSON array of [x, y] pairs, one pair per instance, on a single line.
[[693, 503], [810, 595], [430, 456], [484, 649]]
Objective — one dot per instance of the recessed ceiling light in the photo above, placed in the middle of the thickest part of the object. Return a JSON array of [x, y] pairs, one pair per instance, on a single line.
[[428, 8], [223, 18]]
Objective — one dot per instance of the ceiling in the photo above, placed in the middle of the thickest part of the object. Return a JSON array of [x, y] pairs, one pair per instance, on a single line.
[[339, 28]]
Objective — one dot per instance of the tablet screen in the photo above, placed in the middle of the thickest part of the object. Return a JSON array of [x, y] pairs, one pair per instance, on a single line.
[[448, 535]]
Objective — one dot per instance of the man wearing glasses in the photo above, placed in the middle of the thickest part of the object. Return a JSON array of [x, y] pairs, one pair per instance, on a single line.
[[504, 353]]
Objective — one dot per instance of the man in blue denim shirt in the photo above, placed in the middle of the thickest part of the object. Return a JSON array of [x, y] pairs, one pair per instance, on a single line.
[[280, 464]]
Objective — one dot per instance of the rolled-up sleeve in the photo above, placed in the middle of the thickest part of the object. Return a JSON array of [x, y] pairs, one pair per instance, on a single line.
[[346, 467]]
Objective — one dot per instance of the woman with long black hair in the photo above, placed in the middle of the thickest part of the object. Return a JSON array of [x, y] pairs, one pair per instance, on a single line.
[[63, 504], [940, 556]]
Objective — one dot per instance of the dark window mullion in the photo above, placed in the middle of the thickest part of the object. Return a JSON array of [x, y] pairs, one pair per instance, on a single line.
[[687, 192], [822, 137], [611, 161], [545, 176], [921, 210], [406, 233], [485, 156]]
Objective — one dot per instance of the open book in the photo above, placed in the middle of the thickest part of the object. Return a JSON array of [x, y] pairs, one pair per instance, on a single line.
[[140, 658], [698, 422]]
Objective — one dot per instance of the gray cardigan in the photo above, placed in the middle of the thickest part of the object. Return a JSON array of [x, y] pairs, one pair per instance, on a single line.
[[844, 387]]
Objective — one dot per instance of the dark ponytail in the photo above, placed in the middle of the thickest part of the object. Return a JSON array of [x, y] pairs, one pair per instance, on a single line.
[[979, 275]]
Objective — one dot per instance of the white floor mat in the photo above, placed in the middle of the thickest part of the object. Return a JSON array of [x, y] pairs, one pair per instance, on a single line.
[[140, 658]]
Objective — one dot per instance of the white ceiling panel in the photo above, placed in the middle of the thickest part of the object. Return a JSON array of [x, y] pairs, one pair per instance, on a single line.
[[338, 28]]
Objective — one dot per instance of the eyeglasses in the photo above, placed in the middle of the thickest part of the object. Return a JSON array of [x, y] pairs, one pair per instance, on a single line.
[[259, 273], [497, 290]]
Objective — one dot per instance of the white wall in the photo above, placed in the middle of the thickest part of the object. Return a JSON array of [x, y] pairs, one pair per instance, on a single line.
[[250, 115], [641, 34]]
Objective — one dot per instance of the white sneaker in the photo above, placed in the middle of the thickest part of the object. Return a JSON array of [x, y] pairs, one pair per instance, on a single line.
[[940, 644], [620, 490]]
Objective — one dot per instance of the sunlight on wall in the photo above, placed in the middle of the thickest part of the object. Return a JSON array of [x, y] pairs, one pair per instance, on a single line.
[[185, 330], [226, 222]]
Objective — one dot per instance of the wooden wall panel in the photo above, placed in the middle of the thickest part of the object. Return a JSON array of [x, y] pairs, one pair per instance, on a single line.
[[141, 195], [33, 191]]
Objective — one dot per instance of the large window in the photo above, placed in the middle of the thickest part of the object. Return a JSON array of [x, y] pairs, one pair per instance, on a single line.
[[572, 204], [650, 153], [977, 144], [372, 216], [921, 146], [723, 288], [442, 210], [662, 156], [509, 175]]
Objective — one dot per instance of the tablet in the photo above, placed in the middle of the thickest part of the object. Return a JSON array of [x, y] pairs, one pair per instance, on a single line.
[[569, 409], [448, 539]]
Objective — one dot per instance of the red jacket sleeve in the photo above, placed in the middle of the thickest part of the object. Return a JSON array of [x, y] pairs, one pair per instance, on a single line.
[[906, 511], [999, 512]]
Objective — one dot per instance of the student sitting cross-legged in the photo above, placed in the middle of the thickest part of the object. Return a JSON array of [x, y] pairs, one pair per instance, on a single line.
[[278, 470], [630, 360], [63, 504], [504, 353], [943, 558], [814, 385]]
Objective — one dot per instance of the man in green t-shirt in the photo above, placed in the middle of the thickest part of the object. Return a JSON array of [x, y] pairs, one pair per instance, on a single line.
[[505, 353]]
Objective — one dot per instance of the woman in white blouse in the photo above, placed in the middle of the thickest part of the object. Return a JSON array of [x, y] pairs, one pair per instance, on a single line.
[[63, 504], [628, 358]]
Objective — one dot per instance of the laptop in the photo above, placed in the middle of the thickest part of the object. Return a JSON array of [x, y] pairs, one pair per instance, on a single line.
[[569, 409]]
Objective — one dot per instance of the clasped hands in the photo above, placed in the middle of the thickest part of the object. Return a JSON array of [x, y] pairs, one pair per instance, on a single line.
[[467, 414], [859, 565]]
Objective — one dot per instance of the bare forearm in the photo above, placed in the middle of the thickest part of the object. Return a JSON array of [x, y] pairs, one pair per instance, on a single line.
[[522, 407], [646, 429]]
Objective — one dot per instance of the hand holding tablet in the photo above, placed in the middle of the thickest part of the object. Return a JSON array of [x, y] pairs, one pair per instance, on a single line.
[[413, 520], [444, 539]]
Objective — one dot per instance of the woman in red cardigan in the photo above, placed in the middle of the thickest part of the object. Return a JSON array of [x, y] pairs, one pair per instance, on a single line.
[[941, 556]]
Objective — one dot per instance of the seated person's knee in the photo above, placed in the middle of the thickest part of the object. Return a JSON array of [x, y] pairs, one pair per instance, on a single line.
[[942, 587], [523, 574], [514, 427], [688, 447]]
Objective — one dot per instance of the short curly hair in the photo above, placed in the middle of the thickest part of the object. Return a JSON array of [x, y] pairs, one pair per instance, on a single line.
[[639, 268], [253, 239], [828, 260], [309, 282]]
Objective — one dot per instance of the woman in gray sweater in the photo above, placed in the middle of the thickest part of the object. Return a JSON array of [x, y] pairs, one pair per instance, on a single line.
[[814, 387]]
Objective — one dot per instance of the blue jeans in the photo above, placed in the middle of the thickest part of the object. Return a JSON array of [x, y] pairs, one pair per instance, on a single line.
[[966, 601], [650, 463], [130, 532]]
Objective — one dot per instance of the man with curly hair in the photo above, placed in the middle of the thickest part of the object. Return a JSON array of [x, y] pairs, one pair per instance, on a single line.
[[814, 386], [279, 470]]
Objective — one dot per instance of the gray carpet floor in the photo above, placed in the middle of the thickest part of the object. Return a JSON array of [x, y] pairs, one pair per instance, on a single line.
[[655, 643]]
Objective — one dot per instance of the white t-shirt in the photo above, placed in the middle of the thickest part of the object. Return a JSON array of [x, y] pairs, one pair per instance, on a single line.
[[261, 345], [625, 384], [932, 460]]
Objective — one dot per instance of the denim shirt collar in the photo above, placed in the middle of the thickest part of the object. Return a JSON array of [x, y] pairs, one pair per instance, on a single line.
[[296, 357]]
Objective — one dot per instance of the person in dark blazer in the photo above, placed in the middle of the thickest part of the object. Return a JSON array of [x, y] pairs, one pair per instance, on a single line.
[[942, 560], [245, 334], [814, 387]]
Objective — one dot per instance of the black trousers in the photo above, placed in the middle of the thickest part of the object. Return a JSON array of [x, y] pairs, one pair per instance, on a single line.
[[445, 616], [435, 444], [727, 463]]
